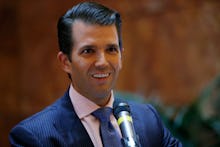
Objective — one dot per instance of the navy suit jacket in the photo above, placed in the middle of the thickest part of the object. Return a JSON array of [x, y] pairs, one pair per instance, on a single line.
[[58, 125]]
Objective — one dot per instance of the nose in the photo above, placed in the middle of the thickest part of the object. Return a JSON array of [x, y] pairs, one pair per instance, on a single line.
[[101, 61]]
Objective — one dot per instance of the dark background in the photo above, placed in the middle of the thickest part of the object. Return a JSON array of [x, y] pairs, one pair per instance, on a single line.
[[171, 52]]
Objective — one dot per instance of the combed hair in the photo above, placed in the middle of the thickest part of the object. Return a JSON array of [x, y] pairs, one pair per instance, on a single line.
[[88, 12]]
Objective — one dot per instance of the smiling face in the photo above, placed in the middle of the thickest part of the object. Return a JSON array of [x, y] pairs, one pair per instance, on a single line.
[[95, 60]]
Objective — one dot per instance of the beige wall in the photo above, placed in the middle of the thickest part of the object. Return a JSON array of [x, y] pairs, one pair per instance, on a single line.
[[171, 52]]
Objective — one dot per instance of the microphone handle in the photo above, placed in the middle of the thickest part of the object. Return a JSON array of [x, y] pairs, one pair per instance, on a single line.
[[129, 137]]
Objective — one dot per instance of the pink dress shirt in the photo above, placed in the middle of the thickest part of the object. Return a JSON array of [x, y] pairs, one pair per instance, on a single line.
[[83, 108]]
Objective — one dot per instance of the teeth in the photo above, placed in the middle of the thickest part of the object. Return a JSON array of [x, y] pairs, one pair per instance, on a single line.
[[101, 75]]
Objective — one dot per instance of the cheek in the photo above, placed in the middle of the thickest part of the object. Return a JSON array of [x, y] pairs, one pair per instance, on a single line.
[[80, 68], [117, 66], [119, 63]]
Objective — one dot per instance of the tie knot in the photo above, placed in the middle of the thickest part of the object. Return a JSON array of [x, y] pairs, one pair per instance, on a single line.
[[103, 114]]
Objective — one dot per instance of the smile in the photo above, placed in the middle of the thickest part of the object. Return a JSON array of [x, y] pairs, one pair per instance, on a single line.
[[102, 75]]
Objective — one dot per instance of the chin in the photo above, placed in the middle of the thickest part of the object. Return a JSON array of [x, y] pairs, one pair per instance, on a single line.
[[103, 95]]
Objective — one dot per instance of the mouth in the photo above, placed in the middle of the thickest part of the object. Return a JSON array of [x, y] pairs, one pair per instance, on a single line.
[[101, 75]]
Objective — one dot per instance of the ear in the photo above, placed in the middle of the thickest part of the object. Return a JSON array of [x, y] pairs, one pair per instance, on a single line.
[[64, 62]]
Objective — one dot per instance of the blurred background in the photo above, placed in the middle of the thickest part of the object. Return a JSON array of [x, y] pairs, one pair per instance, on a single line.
[[171, 59]]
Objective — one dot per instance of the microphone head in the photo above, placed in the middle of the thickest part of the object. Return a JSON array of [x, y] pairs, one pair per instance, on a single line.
[[120, 106]]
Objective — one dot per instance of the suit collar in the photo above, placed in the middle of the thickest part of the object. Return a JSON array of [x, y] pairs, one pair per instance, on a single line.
[[68, 123]]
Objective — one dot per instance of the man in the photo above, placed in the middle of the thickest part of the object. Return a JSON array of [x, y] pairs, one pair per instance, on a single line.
[[90, 53]]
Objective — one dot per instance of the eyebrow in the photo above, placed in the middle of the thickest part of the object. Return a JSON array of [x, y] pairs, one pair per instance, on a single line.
[[94, 46], [113, 45], [88, 46]]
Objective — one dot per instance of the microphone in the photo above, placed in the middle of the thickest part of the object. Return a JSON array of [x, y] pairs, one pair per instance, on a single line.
[[121, 111]]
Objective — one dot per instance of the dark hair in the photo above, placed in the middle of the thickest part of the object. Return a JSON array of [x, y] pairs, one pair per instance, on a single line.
[[89, 12]]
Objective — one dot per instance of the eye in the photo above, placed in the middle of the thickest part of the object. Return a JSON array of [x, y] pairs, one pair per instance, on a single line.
[[87, 51], [113, 49]]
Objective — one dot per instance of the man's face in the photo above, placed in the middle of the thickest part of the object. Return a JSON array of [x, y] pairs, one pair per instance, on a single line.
[[96, 60]]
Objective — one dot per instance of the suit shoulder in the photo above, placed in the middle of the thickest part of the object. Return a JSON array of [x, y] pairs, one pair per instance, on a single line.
[[146, 113], [142, 106], [42, 118]]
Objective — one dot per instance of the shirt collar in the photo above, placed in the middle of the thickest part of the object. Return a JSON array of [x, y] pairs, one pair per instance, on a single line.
[[82, 105]]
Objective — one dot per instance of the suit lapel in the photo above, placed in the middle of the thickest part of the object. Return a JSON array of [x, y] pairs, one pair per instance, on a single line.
[[69, 125]]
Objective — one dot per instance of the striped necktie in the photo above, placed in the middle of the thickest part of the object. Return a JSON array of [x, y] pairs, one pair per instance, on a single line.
[[109, 136]]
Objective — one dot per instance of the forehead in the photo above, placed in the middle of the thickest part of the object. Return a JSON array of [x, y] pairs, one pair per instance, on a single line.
[[83, 30]]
